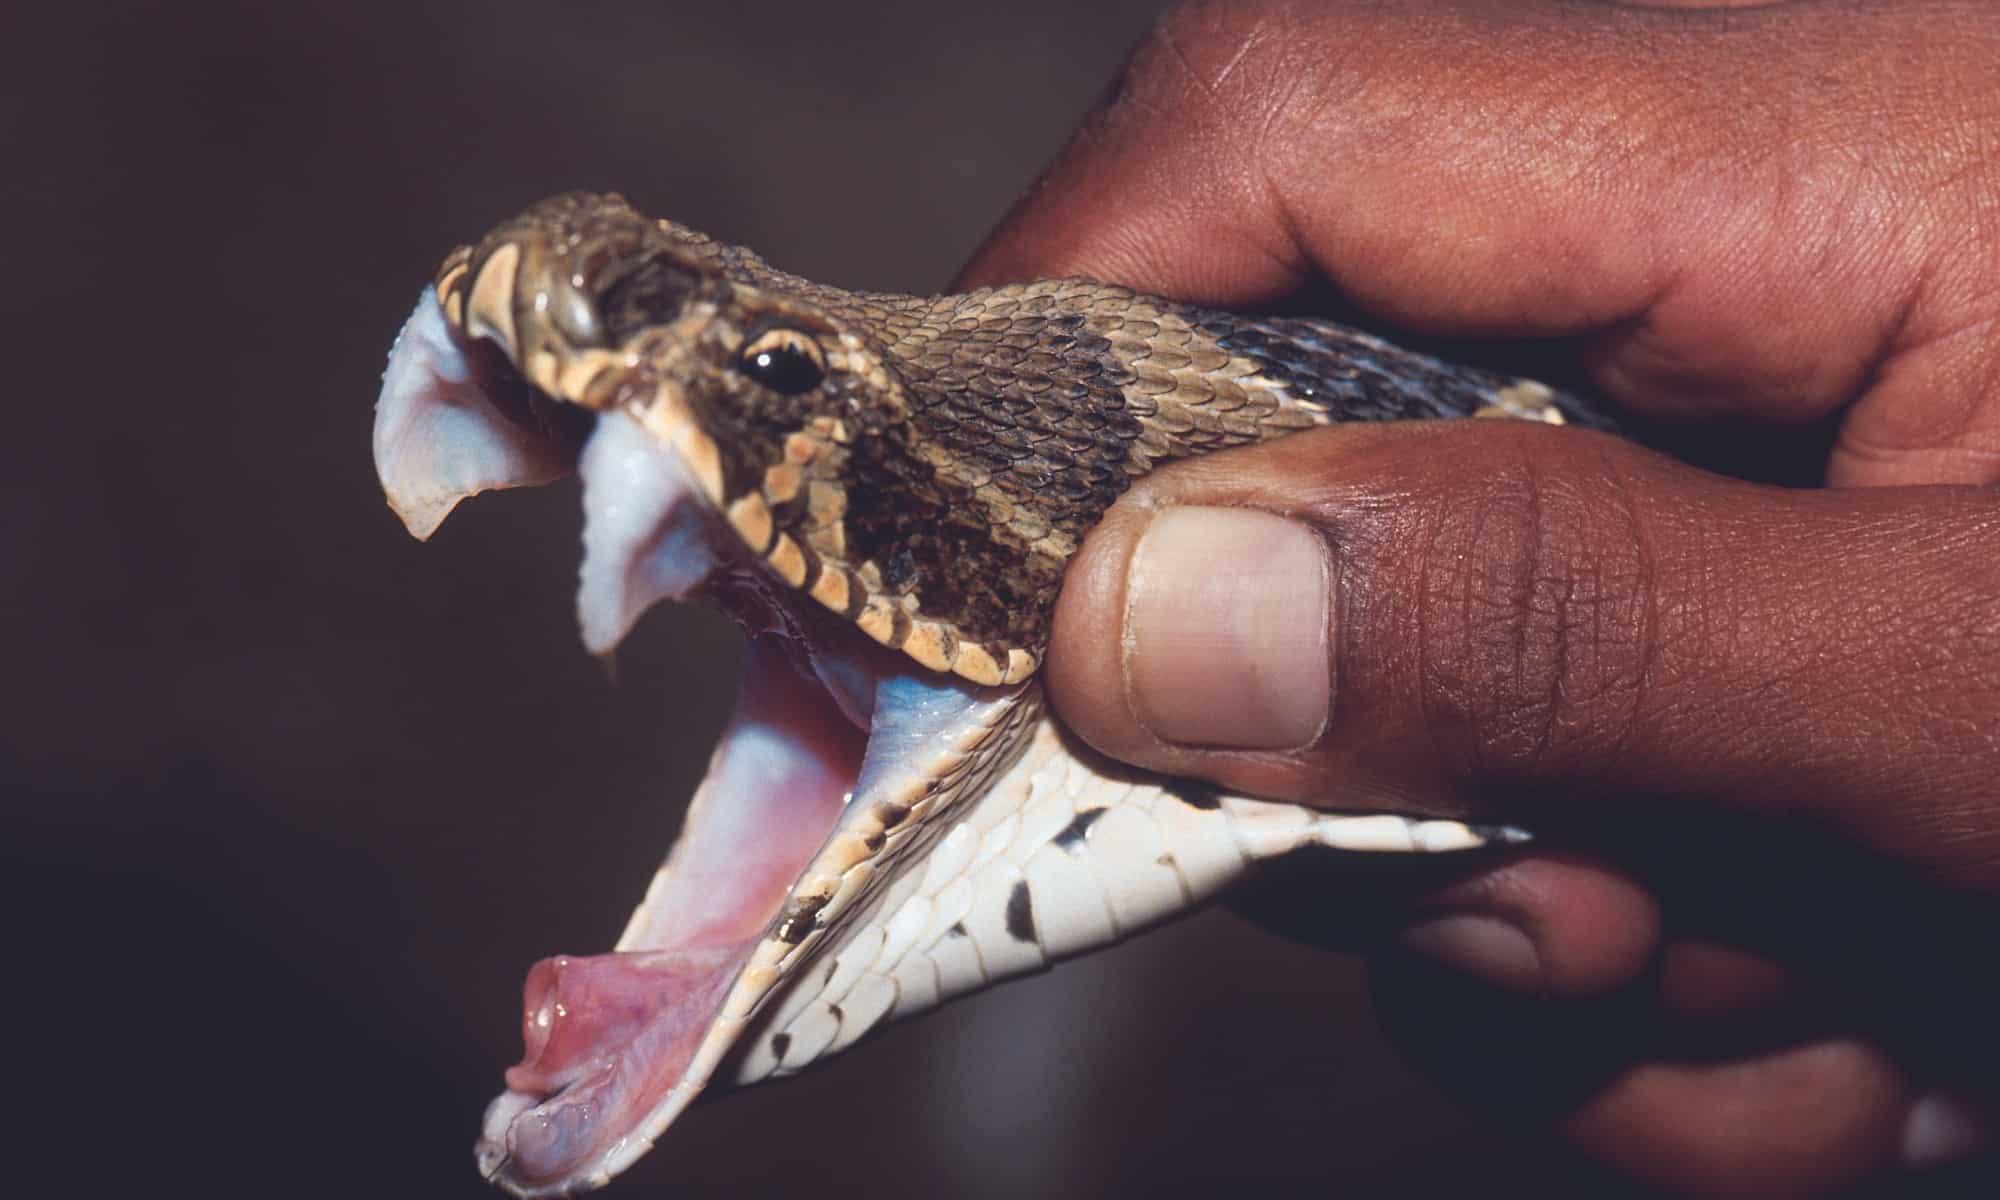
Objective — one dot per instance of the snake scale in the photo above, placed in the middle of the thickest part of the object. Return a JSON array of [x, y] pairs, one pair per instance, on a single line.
[[884, 491]]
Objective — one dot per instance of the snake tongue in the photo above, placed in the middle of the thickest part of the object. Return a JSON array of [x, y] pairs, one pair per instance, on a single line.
[[443, 428]]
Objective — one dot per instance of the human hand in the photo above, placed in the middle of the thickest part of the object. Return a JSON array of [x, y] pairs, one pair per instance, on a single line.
[[1763, 724]]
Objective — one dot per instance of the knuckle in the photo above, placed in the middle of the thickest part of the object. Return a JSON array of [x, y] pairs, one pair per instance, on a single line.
[[1535, 614]]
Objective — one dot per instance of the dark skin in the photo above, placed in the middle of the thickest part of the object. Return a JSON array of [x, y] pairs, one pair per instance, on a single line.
[[1760, 727]]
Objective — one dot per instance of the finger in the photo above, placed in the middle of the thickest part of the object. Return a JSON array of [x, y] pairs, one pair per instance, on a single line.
[[1791, 1110], [1797, 1117], [1749, 214], [1549, 925], [1553, 927], [1800, 1120], [1443, 615]]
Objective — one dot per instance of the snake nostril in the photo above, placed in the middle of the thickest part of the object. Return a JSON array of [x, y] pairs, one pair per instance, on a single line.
[[653, 291]]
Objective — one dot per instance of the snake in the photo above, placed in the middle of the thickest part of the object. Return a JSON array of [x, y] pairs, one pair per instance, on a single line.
[[883, 491]]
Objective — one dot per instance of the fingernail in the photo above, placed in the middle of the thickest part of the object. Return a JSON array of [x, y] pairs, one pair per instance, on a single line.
[[1487, 948], [1226, 626], [1944, 1128]]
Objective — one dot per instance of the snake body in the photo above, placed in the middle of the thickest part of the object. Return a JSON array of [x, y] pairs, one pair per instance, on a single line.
[[919, 470]]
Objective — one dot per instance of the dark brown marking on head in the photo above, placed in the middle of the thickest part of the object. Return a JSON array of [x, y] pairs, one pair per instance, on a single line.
[[1027, 400], [1012, 425], [932, 537], [749, 424]]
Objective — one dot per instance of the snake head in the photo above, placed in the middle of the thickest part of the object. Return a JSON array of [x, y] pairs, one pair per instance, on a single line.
[[790, 406]]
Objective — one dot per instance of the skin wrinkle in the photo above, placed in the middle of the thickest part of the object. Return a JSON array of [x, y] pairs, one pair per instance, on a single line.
[[1427, 566], [1442, 712], [1517, 610], [1556, 624], [1532, 630], [1248, 41], [1557, 655], [1211, 85], [1643, 583], [1823, 204], [1739, 247], [1878, 444], [1214, 118]]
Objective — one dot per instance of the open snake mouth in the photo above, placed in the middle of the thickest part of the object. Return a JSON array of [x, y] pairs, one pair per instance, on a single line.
[[838, 751]]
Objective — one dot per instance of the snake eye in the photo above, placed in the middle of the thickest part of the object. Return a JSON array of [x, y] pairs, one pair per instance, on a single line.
[[784, 360]]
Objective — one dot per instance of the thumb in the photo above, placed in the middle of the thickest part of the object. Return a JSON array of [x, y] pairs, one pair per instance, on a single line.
[[1498, 618]]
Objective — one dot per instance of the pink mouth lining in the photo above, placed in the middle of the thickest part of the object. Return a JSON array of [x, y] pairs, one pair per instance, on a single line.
[[610, 1037]]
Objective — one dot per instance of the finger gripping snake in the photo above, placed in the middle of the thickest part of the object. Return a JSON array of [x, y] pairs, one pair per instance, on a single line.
[[884, 491]]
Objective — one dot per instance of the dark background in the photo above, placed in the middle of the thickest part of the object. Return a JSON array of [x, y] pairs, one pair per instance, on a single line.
[[292, 802]]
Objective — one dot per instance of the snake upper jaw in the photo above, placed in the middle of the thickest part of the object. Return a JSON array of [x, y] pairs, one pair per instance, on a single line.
[[453, 422]]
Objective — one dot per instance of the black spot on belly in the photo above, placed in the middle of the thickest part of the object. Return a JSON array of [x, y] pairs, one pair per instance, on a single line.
[[1195, 795], [957, 929], [1021, 913], [781, 1043], [1072, 834]]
